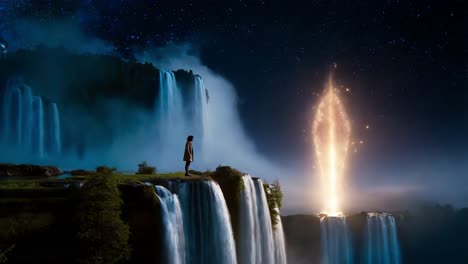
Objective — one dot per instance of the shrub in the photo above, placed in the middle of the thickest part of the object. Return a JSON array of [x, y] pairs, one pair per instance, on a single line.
[[143, 168], [274, 197], [102, 234], [105, 170]]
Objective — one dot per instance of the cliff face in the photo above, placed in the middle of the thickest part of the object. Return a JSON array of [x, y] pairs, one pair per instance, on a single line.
[[96, 95], [42, 224], [434, 234], [302, 234], [69, 78]]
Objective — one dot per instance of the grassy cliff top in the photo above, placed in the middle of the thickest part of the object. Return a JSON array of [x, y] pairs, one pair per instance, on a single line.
[[47, 183]]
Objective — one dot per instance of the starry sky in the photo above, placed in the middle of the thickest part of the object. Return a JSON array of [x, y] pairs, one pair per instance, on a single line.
[[402, 71]]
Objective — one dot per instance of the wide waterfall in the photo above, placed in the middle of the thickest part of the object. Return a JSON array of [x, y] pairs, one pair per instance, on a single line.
[[207, 224], [176, 117], [30, 124], [336, 241], [258, 241], [204, 219], [173, 226], [382, 245], [170, 100]]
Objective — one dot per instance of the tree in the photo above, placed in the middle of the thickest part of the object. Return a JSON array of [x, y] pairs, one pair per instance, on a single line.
[[274, 197], [102, 234]]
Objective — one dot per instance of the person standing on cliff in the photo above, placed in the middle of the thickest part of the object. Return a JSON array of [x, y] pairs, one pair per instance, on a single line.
[[188, 154]]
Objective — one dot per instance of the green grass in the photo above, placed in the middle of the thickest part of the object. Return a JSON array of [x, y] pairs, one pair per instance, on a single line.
[[15, 226], [20, 184], [121, 178]]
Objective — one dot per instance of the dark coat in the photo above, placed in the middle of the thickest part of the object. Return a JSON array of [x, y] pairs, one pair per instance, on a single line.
[[188, 153]]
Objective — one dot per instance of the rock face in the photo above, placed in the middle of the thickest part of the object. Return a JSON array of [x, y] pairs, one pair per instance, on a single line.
[[302, 233], [90, 91], [26, 170]]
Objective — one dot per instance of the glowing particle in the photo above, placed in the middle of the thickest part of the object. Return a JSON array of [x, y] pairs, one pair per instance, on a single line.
[[331, 132]]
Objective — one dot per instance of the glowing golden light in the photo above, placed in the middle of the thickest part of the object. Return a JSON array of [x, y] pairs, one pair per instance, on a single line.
[[331, 135]]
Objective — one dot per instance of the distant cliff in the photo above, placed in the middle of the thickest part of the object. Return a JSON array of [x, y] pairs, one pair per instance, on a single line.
[[95, 94], [431, 234]]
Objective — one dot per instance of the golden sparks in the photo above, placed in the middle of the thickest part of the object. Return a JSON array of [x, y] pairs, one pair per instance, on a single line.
[[331, 136]]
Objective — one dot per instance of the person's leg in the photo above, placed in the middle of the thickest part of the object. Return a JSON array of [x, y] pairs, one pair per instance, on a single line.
[[187, 167]]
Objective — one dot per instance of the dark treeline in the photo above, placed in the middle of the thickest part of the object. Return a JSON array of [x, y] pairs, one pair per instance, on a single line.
[[434, 234]]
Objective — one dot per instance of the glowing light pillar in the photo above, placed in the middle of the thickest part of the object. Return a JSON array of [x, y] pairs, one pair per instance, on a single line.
[[331, 132]]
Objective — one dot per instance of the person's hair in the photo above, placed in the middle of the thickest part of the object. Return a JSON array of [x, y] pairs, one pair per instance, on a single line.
[[190, 138]]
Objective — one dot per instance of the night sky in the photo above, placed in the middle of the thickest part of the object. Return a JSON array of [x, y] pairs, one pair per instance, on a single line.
[[404, 64]]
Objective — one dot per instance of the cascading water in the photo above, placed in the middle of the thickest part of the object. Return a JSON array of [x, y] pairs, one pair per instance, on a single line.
[[170, 99], [55, 130], [382, 245], [176, 117], [249, 230], [263, 217], [173, 226], [207, 226], [38, 125], [28, 125], [258, 241], [201, 104], [336, 241], [278, 237], [27, 116]]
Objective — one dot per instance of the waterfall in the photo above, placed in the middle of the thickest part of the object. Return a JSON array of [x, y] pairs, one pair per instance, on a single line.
[[38, 121], [206, 224], [55, 126], [258, 241], [27, 117], [173, 226], [249, 229], [170, 99], [169, 119], [29, 123], [266, 230], [382, 245], [278, 237], [201, 104], [336, 241]]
